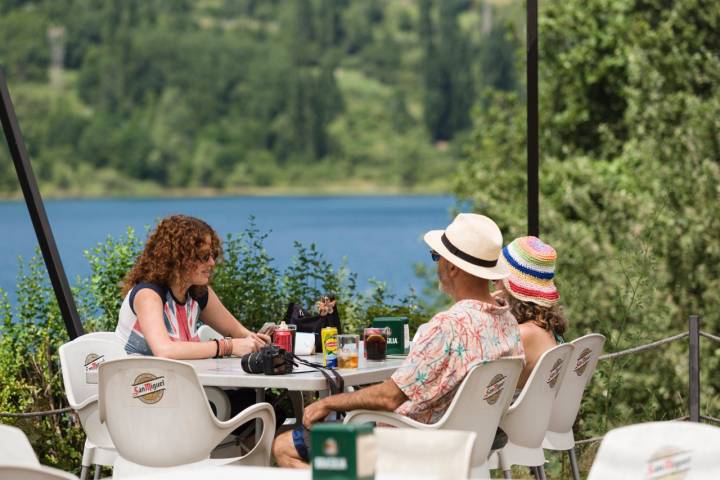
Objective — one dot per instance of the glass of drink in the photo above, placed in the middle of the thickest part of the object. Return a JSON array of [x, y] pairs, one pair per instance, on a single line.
[[375, 343], [293, 331], [347, 352]]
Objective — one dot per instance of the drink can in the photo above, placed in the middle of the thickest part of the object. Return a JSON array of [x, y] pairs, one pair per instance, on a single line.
[[283, 339], [328, 336]]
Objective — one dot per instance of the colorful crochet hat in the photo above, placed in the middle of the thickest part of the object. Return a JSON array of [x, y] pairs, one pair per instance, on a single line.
[[532, 268]]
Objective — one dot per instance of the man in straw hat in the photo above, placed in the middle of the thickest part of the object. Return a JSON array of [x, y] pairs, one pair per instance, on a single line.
[[477, 328]]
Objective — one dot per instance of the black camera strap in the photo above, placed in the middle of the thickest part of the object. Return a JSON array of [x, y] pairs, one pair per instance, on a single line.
[[335, 385]]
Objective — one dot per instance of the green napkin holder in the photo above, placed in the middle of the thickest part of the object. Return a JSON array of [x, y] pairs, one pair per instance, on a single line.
[[342, 452], [398, 343]]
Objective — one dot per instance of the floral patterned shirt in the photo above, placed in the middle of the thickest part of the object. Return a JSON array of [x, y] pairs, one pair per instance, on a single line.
[[470, 333]]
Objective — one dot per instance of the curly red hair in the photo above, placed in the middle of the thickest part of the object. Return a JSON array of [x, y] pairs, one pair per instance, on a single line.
[[171, 251]]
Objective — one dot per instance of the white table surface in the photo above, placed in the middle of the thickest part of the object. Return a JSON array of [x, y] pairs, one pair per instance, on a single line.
[[227, 372], [231, 472]]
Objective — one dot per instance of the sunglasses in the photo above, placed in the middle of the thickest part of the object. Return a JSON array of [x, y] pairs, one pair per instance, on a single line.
[[435, 256], [205, 257]]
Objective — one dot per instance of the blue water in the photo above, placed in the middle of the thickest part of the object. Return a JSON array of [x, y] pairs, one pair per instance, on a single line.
[[381, 237]]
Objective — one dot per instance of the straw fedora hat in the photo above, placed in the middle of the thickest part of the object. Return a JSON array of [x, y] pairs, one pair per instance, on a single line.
[[472, 243]]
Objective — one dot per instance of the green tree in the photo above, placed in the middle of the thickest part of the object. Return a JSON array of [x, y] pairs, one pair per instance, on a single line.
[[448, 82], [24, 53]]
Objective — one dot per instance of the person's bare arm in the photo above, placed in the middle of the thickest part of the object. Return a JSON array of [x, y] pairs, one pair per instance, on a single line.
[[384, 396], [218, 317], [149, 310]]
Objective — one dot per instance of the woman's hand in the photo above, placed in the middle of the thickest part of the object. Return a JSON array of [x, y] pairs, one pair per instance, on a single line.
[[265, 338], [249, 344]]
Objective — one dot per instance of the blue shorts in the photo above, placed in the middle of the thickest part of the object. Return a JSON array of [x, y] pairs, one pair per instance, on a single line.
[[301, 440]]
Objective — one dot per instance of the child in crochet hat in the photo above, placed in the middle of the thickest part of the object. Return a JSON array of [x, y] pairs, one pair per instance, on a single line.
[[533, 297]]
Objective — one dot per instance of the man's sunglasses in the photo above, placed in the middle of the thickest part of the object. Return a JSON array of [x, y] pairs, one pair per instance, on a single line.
[[435, 256]]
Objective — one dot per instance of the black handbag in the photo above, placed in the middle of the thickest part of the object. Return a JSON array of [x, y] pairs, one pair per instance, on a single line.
[[308, 323]]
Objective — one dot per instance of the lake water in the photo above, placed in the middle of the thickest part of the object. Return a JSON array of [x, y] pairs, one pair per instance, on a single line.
[[381, 237]]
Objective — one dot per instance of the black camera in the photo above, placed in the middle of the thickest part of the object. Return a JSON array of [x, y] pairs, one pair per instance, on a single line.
[[271, 360]]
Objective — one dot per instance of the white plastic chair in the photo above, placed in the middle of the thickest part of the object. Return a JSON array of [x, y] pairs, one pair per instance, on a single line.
[[206, 332], [158, 415], [581, 366], [658, 450], [15, 448], [18, 459], [480, 400], [77, 358], [215, 395], [408, 453], [527, 419], [29, 472]]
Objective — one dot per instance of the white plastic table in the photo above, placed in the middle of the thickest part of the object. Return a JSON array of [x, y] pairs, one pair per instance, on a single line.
[[227, 373]]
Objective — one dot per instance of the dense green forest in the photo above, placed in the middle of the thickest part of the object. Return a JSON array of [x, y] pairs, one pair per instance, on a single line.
[[160, 96]]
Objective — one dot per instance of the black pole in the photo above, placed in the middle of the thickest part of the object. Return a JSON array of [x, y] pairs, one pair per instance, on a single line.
[[533, 144], [35, 206], [694, 368]]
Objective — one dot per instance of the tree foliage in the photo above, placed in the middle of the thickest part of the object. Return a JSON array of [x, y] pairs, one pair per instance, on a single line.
[[238, 95]]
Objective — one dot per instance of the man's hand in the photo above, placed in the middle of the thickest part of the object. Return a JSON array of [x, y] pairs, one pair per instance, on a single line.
[[315, 412]]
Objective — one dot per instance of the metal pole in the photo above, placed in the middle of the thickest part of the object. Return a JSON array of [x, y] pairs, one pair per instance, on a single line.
[[533, 144], [35, 206], [694, 368]]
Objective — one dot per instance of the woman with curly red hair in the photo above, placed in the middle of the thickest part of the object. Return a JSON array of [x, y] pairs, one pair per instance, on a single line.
[[168, 292]]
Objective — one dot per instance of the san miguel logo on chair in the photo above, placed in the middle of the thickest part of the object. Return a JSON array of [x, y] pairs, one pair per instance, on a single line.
[[582, 362], [93, 361], [668, 463], [494, 389], [91, 364], [554, 373], [148, 388]]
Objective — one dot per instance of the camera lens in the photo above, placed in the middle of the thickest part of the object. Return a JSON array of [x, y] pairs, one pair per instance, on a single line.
[[252, 362]]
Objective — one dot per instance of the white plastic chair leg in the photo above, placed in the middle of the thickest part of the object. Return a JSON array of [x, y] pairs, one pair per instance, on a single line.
[[83, 472], [97, 472], [502, 464]]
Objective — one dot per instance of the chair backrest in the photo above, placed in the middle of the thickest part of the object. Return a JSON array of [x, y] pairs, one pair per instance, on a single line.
[[658, 450], [481, 400], [15, 447], [30, 472], [410, 453], [527, 419], [82, 355], [156, 411], [206, 332], [581, 367]]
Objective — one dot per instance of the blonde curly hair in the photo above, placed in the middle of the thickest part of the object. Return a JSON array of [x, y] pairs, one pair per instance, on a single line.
[[171, 251]]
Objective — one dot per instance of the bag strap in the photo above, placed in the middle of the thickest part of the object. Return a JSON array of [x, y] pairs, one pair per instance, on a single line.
[[335, 385]]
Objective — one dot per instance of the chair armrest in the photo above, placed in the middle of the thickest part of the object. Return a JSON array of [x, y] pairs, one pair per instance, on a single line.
[[260, 454], [390, 418], [85, 403]]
